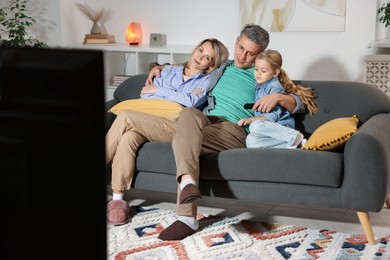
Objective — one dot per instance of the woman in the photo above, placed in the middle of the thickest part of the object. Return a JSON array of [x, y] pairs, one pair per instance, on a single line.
[[187, 85]]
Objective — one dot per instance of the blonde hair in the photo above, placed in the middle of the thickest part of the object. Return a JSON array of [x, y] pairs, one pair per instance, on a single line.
[[307, 96], [221, 53]]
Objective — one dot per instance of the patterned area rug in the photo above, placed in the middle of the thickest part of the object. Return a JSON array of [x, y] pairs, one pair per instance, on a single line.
[[230, 238]]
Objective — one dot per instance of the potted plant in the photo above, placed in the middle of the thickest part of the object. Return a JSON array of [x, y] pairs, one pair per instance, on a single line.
[[14, 23], [384, 14]]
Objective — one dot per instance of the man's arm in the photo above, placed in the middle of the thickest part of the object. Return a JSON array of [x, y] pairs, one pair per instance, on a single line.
[[154, 72]]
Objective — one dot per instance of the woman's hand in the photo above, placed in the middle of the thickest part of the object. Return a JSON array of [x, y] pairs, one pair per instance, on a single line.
[[149, 89], [197, 91]]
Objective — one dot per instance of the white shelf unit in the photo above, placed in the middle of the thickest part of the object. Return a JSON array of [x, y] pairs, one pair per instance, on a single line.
[[123, 59]]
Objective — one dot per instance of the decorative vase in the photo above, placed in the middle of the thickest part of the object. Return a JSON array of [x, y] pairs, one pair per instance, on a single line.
[[95, 29]]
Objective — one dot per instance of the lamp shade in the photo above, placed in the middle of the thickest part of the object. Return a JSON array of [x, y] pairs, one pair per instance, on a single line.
[[134, 33]]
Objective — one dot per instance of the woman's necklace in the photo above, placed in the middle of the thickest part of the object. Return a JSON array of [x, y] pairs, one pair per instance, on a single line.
[[187, 72]]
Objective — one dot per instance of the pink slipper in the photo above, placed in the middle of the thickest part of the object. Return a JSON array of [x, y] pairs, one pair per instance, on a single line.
[[118, 212]]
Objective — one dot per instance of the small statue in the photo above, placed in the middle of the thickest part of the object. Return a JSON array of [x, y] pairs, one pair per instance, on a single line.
[[95, 17]]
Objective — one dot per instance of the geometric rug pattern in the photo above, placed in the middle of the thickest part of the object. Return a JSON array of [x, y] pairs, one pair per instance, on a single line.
[[231, 238]]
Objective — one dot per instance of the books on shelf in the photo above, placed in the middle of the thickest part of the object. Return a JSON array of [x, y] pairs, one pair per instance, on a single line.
[[97, 36], [118, 79], [99, 39], [86, 41]]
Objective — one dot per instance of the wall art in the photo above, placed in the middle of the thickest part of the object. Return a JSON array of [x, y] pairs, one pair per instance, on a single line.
[[294, 15]]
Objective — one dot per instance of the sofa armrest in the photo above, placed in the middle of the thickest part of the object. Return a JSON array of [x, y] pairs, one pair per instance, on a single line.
[[129, 89], [367, 165]]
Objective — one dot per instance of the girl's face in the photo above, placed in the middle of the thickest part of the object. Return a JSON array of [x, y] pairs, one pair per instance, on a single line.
[[263, 71], [202, 57]]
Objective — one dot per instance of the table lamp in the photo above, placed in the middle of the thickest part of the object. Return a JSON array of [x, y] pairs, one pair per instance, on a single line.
[[134, 33]]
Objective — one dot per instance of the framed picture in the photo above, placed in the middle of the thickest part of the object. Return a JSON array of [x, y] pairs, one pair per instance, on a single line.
[[294, 15]]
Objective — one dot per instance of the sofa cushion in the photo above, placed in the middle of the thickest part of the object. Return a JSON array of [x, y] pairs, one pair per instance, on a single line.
[[332, 134], [337, 99], [156, 157], [275, 165], [155, 106], [253, 164]]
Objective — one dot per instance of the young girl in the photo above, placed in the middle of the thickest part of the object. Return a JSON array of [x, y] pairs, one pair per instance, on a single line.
[[275, 128]]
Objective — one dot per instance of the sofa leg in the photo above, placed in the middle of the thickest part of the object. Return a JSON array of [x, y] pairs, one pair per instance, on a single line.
[[388, 201], [367, 227]]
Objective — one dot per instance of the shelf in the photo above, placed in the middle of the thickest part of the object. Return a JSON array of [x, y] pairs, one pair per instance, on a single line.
[[184, 49], [124, 59], [381, 44]]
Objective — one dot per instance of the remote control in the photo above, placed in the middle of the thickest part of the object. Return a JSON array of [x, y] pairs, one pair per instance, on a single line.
[[248, 105]]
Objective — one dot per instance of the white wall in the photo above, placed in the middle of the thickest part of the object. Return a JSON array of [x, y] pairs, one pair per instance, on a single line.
[[307, 55]]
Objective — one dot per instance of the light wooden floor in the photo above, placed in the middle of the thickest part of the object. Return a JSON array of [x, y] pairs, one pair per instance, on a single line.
[[317, 218]]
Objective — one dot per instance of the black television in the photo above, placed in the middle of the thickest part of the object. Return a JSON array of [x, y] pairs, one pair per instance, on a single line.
[[52, 163]]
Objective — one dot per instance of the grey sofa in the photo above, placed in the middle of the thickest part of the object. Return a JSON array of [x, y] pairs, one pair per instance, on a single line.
[[355, 177]]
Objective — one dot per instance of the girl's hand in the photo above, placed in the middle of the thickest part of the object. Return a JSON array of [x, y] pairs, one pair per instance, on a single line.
[[245, 121]]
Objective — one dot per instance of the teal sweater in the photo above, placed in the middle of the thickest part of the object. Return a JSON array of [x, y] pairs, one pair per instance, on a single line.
[[234, 88]]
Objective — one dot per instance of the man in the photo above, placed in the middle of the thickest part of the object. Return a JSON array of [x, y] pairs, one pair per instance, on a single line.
[[216, 128]]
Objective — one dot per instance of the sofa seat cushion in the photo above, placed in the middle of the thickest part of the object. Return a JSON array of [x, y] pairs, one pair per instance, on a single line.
[[156, 157], [321, 168], [254, 164]]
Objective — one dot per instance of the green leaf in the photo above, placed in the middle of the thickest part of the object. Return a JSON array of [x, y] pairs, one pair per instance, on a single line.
[[384, 14], [15, 22]]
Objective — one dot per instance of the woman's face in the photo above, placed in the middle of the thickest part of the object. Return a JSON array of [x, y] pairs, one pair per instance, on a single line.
[[202, 57]]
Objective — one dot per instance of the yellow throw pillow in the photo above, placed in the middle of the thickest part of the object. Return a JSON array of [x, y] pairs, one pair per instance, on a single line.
[[332, 134], [159, 107]]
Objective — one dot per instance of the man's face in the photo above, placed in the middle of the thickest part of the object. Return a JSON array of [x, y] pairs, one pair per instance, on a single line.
[[245, 52]]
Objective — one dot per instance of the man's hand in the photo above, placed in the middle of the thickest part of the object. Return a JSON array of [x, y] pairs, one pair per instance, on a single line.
[[148, 89], [266, 103], [154, 72]]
